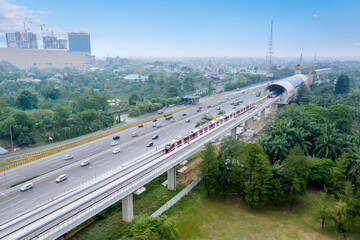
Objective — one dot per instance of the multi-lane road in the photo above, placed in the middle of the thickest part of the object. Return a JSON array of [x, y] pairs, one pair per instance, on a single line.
[[99, 152]]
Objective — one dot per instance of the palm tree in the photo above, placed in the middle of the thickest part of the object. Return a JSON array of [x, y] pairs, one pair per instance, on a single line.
[[327, 144], [277, 169], [300, 138], [353, 166], [279, 148]]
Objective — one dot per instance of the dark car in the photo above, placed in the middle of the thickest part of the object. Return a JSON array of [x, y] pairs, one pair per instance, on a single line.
[[155, 120], [155, 137], [184, 114], [200, 107], [199, 110], [218, 108], [116, 137], [209, 106], [150, 144]]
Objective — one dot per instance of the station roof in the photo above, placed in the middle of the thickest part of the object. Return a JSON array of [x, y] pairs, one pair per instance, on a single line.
[[296, 80], [190, 97]]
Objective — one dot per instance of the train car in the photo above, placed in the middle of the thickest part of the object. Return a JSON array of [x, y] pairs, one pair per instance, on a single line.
[[204, 129]]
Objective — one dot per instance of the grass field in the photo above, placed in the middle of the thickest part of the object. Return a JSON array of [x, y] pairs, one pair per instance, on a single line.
[[109, 223], [199, 217]]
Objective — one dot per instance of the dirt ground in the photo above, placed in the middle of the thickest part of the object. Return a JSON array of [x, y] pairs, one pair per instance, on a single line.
[[191, 173]]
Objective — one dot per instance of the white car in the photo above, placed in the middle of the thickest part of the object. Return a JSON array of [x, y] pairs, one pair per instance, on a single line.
[[61, 178], [116, 150], [207, 112], [68, 157], [85, 163], [26, 187], [134, 134], [114, 143]]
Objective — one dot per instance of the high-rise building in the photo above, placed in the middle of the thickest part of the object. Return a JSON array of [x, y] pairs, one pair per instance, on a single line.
[[54, 43], [79, 42], [50, 42], [62, 43], [21, 40]]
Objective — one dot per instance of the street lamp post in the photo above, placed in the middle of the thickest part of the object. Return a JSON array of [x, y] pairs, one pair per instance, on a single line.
[[12, 144]]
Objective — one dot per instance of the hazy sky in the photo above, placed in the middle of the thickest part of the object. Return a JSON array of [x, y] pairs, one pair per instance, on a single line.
[[154, 28]]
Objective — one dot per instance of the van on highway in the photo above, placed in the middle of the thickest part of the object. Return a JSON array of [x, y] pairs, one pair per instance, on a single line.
[[135, 134], [26, 187], [85, 163], [61, 178]]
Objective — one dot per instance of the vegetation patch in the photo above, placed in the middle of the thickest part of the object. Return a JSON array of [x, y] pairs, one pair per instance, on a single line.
[[200, 217], [109, 224], [25, 180]]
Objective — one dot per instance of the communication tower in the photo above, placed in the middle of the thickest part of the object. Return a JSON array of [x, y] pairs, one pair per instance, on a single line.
[[270, 52]]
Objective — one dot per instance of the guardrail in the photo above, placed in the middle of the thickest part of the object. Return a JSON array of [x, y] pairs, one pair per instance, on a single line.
[[144, 175], [58, 223], [82, 141], [83, 186]]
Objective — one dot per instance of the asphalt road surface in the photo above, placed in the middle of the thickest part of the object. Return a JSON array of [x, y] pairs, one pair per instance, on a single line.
[[131, 148]]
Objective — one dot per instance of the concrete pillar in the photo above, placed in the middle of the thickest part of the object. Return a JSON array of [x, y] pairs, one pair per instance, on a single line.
[[262, 115], [127, 208], [233, 132], [172, 179], [250, 123], [273, 107]]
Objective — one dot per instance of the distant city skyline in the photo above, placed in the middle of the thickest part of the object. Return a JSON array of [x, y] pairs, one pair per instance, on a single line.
[[197, 28]]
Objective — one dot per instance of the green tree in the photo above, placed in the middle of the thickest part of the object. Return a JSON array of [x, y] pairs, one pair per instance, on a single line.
[[327, 144], [54, 94], [335, 182], [296, 172], [301, 92], [170, 91], [26, 100], [209, 168], [342, 84], [61, 116], [341, 116], [20, 126], [320, 170], [144, 227], [189, 84], [276, 193], [322, 206], [134, 98], [257, 174], [339, 217]]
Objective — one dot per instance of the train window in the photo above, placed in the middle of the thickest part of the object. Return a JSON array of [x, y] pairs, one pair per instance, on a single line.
[[201, 131], [179, 143]]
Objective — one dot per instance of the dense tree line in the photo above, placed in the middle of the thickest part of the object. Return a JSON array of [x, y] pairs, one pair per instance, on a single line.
[[21, 120], [243, 80], [144, 227], [303, 144]]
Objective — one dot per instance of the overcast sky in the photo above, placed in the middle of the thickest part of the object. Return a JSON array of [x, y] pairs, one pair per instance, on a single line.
[[194, 28]]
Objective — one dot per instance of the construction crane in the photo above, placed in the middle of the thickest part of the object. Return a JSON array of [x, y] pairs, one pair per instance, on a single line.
[[299, 66]]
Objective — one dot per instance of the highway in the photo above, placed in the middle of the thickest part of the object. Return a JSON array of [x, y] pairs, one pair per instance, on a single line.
[[100, 154]]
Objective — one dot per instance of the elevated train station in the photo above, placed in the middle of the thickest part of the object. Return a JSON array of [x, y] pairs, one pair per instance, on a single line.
[[286, 87]]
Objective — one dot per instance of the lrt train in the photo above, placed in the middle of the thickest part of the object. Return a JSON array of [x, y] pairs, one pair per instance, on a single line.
[[202, 130]]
